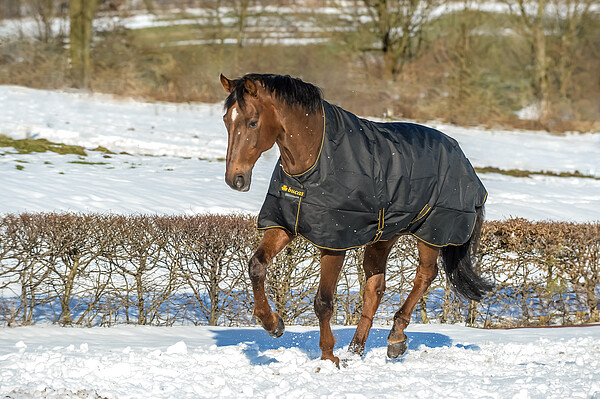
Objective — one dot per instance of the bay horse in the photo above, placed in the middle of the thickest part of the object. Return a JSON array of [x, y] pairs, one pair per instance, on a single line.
[[343, 182]]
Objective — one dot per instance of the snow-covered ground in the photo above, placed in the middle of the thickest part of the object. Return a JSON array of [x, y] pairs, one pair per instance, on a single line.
[[176, 163], [174, 166], [443, 361]]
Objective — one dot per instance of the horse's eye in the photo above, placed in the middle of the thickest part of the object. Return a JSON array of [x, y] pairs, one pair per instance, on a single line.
[[252, 124]]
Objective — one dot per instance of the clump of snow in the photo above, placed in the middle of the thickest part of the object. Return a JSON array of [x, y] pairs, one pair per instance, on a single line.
[[530, 112], [180, 348]]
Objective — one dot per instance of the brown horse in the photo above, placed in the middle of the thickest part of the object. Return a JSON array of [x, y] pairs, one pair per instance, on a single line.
[[343, 182]]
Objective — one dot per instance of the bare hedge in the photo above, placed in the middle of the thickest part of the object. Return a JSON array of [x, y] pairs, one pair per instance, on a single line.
[[79, 269]]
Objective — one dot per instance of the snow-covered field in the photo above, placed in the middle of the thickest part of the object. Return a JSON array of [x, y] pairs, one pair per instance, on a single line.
[[174, 166], [443, 361]]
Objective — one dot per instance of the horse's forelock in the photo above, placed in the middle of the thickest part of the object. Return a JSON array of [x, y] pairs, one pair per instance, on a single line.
[[292, 91], [237, 94]]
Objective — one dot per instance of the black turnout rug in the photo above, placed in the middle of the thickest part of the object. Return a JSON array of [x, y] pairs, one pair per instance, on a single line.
[[372, 181]]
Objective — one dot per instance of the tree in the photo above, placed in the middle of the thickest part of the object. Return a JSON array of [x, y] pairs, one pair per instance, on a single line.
[[398, 25], [571, 16], [10, 9], [209, 248], [241, 11], [532, 19], [81, 14]]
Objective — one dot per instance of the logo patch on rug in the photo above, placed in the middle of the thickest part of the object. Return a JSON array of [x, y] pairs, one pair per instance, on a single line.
[[293, 191]]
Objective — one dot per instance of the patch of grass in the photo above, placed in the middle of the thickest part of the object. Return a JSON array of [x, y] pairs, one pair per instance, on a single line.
[[88, 163], [528, 173], [103, 150], [28, 146], [19, 167]]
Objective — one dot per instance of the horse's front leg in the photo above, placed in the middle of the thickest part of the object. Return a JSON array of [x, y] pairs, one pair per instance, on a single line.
[[273, 241], [426, 273], [375, 259], [331, 264]]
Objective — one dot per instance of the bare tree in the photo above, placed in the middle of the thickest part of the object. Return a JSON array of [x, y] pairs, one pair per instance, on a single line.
[[81, 14], [533, 20], [10, 9], [209, 261], [580, 261], [571, 17], [398, 25], [48, 15], [137, 257], [351, 287], [72, 244], [28, 253], [293, 279]]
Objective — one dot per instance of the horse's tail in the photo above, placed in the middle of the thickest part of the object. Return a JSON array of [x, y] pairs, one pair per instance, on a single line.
[[458, 265]]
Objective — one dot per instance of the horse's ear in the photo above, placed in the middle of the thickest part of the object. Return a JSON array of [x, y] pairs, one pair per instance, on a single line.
[[227, 84], [251, 87]]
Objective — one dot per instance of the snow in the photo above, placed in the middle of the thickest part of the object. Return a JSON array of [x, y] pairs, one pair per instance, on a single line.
[[203, 362], [174, 165], [175, 162]]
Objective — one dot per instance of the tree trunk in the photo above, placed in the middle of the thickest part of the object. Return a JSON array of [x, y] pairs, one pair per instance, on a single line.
[[541, 69], [242, 17], [10, 9], [423, 308], [472, 314], [141, 305], [213, 294], [81, 16], [149, 6], [446, 308], [591, 300], [65, 300]]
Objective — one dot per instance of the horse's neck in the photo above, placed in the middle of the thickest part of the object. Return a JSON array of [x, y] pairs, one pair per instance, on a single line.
[[300, 141]]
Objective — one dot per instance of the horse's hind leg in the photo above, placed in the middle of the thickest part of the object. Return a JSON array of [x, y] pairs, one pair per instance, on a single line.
[[426, 273], [273, 241], [331, 264], [376, 256]]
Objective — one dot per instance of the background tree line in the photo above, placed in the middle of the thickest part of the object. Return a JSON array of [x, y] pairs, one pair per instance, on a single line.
[[463, 61], [163, 270]]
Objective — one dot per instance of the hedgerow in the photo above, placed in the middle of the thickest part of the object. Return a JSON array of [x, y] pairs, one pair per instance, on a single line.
[[82, 269]]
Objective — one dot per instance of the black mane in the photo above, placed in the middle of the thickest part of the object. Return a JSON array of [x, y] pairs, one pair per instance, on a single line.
[[292, 91]]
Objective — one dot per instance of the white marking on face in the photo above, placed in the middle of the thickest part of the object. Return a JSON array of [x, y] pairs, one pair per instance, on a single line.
[[234, 114]]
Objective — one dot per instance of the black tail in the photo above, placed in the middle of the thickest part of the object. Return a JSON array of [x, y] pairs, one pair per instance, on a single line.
[[458, 265]]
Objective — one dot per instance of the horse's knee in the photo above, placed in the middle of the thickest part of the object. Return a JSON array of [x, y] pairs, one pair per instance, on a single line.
[[257, 268], [323, 305]]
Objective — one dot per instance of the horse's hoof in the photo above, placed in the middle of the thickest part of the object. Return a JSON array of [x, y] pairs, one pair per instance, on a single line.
[[356, 349], [279, 330], [396, 349]]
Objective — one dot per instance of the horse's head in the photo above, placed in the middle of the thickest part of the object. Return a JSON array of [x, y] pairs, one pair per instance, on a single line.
[[252, 126]]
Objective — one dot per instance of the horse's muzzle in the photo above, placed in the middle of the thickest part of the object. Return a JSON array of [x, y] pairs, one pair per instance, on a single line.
[[240, 182]]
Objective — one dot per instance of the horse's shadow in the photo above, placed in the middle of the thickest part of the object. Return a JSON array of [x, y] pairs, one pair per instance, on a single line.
[[258, 341]]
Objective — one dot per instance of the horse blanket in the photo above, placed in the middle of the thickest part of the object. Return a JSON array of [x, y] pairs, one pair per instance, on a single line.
[[372, 181]]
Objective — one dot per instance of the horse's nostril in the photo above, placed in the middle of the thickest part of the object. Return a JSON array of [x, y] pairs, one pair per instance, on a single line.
[[238, 181]]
